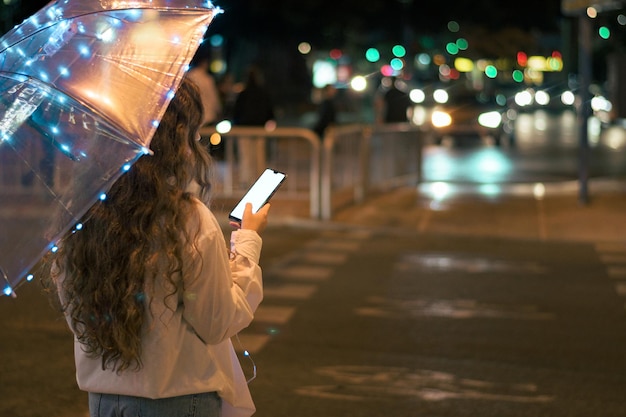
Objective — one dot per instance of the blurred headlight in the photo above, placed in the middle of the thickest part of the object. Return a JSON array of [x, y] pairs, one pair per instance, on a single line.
[[441, 119], [542, 98], [523, 98], [490, 119], [568, 98], [441, 96], [417, 96], [599, 103]]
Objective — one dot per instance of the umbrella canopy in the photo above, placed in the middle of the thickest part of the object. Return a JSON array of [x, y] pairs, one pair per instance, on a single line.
[[83, 85]]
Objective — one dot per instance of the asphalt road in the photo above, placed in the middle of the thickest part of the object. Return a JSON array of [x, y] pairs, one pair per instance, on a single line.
[[399, 324], [390, 321]]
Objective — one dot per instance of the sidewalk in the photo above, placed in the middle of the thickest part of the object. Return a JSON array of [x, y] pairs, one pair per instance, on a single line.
[[513, 212]]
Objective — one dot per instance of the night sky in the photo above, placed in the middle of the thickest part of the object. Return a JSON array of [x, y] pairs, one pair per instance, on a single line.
[[328, 22]]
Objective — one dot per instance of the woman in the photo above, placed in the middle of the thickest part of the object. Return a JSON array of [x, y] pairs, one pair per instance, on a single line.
[[150, 289]]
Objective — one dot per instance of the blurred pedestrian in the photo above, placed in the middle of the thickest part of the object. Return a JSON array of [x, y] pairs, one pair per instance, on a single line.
[[253, 107], [395, 103], [199, 73], [150, 289], [227, 94], [327, 110]]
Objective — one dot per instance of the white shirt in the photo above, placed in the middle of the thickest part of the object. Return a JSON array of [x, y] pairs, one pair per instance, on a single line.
[[186, 343]]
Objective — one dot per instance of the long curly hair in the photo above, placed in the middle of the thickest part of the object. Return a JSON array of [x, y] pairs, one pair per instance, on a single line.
[[140, 224]]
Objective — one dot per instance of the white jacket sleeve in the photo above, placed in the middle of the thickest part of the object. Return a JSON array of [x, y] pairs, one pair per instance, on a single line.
[[221, 291]]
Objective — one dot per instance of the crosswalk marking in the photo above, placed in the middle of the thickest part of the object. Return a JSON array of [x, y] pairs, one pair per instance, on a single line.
[[328, 258], [304, 273], [293, 291], [340, 245], [614, 258], [621, 288], [352, 234], [252, 342], [604, 247], [273, 314], [616, 272], [315, 264]]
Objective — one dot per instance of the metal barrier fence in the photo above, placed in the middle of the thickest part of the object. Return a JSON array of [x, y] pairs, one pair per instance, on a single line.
[[351, 162], [358, 160], [295, 151]]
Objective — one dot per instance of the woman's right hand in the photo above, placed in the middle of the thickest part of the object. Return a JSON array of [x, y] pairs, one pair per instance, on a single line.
[[255, 221]]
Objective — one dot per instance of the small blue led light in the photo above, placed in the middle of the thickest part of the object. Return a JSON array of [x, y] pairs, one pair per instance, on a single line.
[[64, 71], [176, 40], [217, 40], [64, 147], [84, 51], [54, 249], [135, 14], [170, 94], [79, 226], [103, 197], [55, 130], [29, 277], [155, 123], [126, 167], [145, 150], [7, 291]]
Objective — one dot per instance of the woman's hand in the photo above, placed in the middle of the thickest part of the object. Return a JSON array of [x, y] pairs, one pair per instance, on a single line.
[[253, 221]]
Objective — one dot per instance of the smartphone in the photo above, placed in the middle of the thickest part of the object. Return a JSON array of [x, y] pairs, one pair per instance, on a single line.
[[259, 194]]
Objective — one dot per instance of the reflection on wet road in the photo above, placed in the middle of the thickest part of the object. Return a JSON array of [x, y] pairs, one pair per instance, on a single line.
[[545, 149]]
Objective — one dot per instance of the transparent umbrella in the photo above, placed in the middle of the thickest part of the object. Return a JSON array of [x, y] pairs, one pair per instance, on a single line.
[[83, 85]]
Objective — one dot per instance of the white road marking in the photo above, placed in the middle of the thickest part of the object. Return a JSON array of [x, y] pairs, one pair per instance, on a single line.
[[616, 272], [613, 258], [252, 342], [292, 291], [304, 273], [337, 246], [273, 314], [621, 288], [327, 258], [604, 247]]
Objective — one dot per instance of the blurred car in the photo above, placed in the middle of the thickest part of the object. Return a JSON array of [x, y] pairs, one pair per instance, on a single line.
[[549, 99], [461, 115]]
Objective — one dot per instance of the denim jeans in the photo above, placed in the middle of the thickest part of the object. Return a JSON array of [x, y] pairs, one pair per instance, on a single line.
[[194, 405]]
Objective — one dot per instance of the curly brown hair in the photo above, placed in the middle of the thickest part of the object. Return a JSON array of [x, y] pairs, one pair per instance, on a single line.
[[140, 223]]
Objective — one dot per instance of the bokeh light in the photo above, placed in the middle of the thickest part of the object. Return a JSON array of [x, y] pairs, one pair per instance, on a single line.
[[397, 64], [358, 83], [417, 96], [304, 48], [604, 32], [491, 71], [386, 70], [453, 26], [452, 48], [372, 55], [335, 53], [398, 51]]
